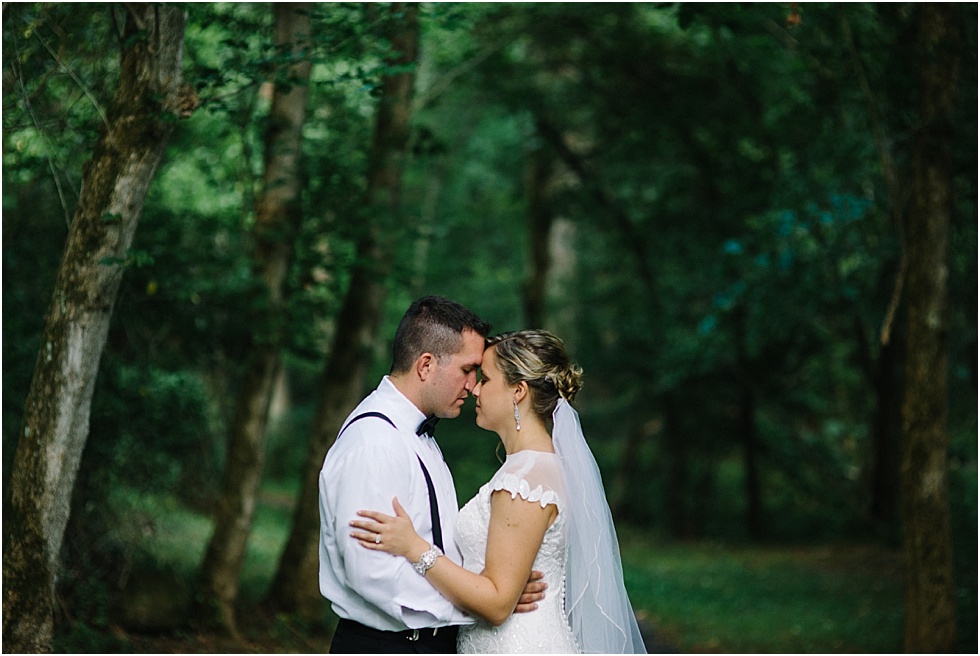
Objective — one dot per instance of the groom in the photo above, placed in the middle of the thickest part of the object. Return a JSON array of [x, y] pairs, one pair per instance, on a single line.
[[386, 449]]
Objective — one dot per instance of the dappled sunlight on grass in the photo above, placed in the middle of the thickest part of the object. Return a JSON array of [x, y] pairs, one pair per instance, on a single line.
[[171, 533], [175, 536]]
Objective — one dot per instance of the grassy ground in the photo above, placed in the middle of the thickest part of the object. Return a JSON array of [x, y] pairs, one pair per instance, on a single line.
[[810, 599], [700, 598]]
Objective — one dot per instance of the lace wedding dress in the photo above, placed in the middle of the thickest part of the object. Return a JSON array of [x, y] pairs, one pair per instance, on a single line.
[[536, 477]]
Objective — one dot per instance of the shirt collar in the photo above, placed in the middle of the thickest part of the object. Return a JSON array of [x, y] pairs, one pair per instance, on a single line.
[[403, 412]]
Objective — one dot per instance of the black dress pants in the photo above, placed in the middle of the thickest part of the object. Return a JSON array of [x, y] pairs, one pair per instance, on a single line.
[[355, 638]]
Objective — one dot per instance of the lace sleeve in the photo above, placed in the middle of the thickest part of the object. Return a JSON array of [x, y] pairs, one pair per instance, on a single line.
[[533, 475]]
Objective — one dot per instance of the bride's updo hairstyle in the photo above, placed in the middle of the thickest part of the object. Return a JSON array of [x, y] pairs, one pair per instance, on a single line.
[[538, 358]]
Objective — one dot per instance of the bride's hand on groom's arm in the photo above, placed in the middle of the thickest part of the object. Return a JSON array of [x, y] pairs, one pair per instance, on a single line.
[[394, 535]]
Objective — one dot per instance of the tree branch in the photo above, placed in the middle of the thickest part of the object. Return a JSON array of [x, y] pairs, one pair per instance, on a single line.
[[890, 171]]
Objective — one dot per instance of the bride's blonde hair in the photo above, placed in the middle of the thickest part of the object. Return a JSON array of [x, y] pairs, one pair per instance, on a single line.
[[538, 358]]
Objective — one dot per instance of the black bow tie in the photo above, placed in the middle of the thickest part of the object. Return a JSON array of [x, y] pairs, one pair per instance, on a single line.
[[428, 427]]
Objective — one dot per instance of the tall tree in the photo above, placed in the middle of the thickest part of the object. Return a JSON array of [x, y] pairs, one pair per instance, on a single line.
[[884, 371], [539, 219], [55, 428], [930, 616], [887, 429], [295, 586], [277, 219], [748, 431]]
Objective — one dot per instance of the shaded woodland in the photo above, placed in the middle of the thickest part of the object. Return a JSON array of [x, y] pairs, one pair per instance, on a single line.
[[755, 226]]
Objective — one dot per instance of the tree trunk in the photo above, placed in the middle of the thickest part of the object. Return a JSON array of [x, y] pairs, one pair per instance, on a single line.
[[56, 417], [885, 373], [632, 240], [930, 593], [539, 222], [277, 219], [748, 434], [634, 243], [681, 524], [295, 587], [750, 454], [887, 431], [638, 436]]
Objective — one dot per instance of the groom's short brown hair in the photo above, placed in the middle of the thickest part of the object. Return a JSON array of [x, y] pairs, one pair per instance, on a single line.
[[432, 324]]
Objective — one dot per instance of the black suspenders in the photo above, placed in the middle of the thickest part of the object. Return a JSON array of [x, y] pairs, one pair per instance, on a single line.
[[364, 416], [433, 507], [433, 502]]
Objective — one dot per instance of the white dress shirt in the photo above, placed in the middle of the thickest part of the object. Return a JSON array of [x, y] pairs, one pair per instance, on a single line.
[[368, 465]]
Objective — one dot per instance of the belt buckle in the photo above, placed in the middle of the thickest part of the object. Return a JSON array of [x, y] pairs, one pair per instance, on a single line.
[[415, 634]]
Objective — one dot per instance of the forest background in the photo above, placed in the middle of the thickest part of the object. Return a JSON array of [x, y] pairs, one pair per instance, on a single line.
[[755, 226]]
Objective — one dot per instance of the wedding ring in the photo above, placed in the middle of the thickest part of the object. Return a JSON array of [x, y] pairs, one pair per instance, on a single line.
[[377, 538]]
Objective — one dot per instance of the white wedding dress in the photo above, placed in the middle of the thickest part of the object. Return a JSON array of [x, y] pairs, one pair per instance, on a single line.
[[535, 477]]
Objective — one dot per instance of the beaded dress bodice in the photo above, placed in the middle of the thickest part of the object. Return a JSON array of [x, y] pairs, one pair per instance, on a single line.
[[535, 477]]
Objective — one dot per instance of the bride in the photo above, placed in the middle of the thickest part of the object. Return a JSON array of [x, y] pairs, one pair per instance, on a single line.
[[544, 509]]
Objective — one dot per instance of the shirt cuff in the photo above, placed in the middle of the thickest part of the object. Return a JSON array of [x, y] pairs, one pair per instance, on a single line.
[[421, 604]]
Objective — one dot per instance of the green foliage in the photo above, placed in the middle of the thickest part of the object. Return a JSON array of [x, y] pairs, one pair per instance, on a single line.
[[723, 221], [151, 430], [728, 124], [51, 115]]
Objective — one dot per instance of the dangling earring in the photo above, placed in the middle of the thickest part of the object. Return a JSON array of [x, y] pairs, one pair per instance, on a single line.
[[517, 416]]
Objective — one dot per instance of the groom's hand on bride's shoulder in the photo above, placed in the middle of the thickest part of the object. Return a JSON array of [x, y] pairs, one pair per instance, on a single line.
[[533, 593]]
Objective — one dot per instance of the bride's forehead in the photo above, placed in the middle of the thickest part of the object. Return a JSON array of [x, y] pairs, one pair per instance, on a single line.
[[489, 357]]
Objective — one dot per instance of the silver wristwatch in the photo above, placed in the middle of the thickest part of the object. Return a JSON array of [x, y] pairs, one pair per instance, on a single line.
[[427, 560]]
